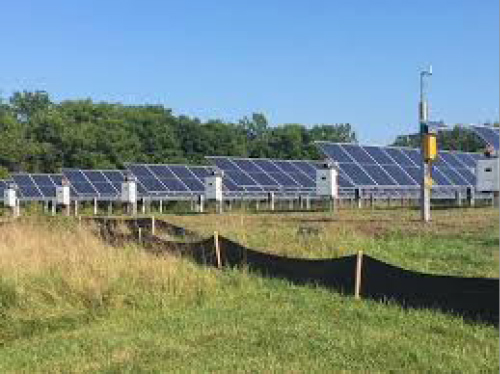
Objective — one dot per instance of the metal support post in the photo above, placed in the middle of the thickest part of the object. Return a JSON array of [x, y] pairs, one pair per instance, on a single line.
[[470, 196], [357, 198], [458, 198], [425, 194]]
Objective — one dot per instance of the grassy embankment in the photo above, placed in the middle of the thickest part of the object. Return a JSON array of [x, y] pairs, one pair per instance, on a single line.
[[70, 303]]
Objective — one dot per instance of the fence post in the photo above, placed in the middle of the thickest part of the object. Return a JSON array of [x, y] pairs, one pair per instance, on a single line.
[[217, 249], [359, 266]]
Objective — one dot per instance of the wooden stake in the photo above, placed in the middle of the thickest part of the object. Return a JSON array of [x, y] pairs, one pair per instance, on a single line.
[[217, 249], [359, 266]]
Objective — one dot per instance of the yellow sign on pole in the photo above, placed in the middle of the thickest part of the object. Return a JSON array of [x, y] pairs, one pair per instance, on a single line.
[[429, 147]]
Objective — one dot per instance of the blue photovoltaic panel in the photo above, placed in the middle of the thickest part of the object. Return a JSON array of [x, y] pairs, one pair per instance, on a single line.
[[391, 167], [3, 186], [258, 175], [490, 135], [37, 186], [170, 180], [378, 155], [97, 184]]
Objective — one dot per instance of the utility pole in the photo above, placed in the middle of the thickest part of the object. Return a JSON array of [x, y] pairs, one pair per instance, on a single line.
[[428, 149]]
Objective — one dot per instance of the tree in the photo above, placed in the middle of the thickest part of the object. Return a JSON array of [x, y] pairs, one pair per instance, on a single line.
[[458, 138], [26, 104]]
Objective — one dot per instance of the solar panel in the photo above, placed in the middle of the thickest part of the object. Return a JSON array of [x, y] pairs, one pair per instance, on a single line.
[[97, 184], [3, 186], [37, 187], [164, 180], [386, 168], [490, 135], [253, 176]]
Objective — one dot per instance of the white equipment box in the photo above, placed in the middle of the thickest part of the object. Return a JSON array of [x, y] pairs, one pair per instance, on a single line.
[[9, 197], [327, 180], [487, 175], [63, 195], [213, 187], [129, 192]]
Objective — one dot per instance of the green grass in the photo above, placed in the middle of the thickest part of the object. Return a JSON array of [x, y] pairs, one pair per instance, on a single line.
[[255, 325], [68, 303], [458, 242]]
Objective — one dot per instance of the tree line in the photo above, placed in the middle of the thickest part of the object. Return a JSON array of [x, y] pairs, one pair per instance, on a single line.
[[40, 135]]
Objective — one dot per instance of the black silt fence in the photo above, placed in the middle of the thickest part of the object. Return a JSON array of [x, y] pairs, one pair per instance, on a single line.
[[472, 298]]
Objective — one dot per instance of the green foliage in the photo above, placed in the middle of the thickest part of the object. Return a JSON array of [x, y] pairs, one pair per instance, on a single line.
[[38, 135], [458, 138]]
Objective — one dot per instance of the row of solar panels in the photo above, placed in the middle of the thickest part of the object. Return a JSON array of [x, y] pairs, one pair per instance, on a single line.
[[383, 170], [489, 135]]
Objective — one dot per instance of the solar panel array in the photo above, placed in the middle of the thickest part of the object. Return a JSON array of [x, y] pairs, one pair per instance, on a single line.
[[390, 171], [163, 180], [490, 135], [96, 184], [37, 187], [398, 168], [258, 175]]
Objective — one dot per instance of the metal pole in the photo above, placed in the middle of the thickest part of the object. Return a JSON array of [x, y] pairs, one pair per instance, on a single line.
[[425, 192]]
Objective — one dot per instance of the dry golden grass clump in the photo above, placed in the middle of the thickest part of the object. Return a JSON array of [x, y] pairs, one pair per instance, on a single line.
[[61, 262]]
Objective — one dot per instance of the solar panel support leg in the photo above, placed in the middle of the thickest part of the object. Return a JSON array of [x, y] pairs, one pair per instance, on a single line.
[[270, 200], [160, 206], [54, 208], [357, 198], [143, 206], [458, 198], [470, 196], [257, 205], [332, 203], [308, 203], [201, 201], [496, 199]]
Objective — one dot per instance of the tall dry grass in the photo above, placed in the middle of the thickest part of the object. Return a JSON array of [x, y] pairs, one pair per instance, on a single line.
[[59, 264]]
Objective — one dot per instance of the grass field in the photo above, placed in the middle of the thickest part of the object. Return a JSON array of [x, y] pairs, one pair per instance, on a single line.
[[70, 303]]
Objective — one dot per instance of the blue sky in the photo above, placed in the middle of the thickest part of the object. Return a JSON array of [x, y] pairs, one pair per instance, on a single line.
[[303, 62]]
